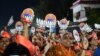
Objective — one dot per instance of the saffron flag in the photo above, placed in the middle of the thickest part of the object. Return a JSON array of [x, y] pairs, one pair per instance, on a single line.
[[26, 43]]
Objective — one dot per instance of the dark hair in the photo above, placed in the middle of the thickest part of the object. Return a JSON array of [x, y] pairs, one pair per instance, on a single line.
[[16, 49]]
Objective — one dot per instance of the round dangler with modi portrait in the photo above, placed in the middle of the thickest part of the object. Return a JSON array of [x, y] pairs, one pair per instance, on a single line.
[[27, 15], [50, 17]]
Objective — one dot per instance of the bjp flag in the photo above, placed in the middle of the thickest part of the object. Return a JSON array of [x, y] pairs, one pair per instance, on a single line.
[[26, 43]]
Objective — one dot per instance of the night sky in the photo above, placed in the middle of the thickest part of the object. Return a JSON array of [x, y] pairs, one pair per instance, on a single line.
[[14, 8]]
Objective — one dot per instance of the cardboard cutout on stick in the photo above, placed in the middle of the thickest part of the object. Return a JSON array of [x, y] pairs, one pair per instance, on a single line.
[[27, 15], [86, 28], [76, 35], [50, 17], [63, 23], [50, 21], [27, 18], [19, 26]]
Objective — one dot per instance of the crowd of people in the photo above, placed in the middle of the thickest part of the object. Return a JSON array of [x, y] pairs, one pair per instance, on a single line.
[[59, 43], [64, 39]]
